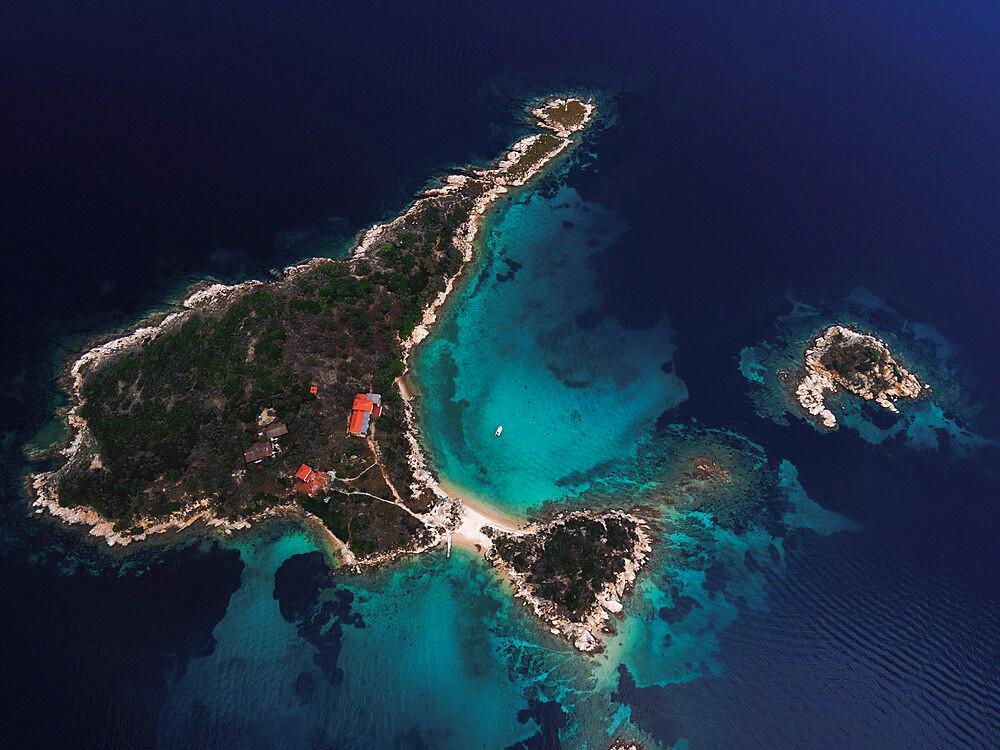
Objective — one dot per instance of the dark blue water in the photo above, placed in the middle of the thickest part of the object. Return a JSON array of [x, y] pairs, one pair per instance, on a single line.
[[757, 149]]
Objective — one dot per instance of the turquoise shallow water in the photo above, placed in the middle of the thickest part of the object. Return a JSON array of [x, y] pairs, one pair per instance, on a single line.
[[278, 656], [312, 652], [525, 346], [251, 671], [434, 652]]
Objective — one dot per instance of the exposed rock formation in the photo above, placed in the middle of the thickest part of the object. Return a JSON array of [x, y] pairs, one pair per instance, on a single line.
[[858, 363]]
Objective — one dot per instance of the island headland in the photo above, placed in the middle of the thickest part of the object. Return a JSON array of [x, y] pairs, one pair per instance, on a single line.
[[288, 399]]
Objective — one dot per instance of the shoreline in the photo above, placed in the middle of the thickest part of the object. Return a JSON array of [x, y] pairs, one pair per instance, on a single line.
[[483, 507], [586, 631], [478, 514], [448, 518], [204, 295]]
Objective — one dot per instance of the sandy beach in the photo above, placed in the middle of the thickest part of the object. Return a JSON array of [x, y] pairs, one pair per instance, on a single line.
[[483, 507], [477, 513]]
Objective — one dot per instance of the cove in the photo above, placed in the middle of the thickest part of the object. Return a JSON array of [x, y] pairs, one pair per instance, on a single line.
[[527, 344]]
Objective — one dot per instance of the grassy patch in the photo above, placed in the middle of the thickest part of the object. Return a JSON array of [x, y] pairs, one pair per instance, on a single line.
[[569, 115]]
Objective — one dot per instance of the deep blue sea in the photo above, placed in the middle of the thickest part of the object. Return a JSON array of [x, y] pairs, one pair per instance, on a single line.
[[753, 160]]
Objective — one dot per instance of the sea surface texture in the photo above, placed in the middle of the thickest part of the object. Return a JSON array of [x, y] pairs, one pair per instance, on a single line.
[[756, 169]]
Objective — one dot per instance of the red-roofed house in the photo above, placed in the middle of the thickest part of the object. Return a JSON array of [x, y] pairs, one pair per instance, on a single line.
[[310, 482], [367, 407]]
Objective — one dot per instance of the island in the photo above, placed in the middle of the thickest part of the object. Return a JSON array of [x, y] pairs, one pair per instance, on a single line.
[[857, 362], [573, 571], [288, 398]]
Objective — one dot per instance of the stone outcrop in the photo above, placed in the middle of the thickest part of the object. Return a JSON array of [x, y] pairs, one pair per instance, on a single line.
[[858, 363]]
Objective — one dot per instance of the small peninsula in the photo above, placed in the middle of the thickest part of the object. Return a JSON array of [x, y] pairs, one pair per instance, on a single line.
[[288, 399]]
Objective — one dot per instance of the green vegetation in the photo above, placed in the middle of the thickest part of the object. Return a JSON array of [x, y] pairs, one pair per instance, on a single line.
[[367, 527], [171, 421], [569, 563], [858, 361], [537, 151], [568, 115]]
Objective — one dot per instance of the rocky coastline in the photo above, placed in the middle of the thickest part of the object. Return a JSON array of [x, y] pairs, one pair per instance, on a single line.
[[542, 569], [857, 363], [439, 516]]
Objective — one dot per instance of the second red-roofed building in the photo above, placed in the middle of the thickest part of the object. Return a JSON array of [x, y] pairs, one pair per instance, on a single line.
[[367, 407]]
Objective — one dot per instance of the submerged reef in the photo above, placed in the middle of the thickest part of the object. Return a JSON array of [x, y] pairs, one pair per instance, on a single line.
[[683, 469], [858, 364], [721, 516]]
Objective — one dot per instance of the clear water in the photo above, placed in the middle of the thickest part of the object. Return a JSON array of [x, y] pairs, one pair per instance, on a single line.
[[757, 149], [526, 347], [447, 621]]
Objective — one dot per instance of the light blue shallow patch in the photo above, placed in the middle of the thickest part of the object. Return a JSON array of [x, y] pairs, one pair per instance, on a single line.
[[918, 426], [806, 513], [513, 352], [751, 366], [429, 664], [427, 667], [658, 652]]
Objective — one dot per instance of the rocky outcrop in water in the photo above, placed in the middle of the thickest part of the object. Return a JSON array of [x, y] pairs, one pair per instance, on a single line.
[[858, 363]]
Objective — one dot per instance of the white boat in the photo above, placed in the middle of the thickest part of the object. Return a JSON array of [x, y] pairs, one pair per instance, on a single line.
[[499, 430]]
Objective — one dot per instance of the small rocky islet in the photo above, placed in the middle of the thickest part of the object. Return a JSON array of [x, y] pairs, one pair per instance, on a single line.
[[858, 364]]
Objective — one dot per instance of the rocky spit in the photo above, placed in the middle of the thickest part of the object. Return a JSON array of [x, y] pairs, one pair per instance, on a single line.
[[858, 363]]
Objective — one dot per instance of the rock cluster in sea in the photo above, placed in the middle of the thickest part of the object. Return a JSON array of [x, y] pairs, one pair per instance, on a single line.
[[858, 363]]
